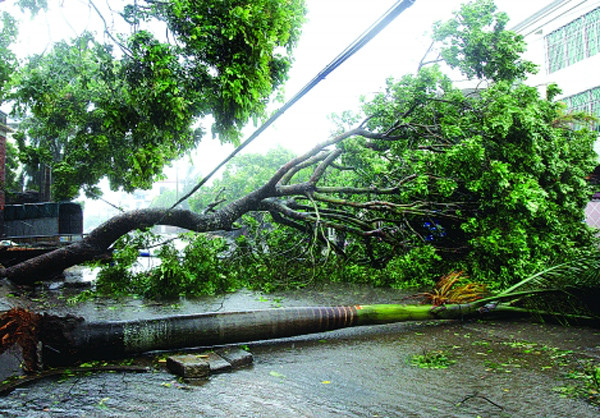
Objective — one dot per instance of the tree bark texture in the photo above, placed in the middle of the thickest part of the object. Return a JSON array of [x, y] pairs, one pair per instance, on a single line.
[[69, 339]]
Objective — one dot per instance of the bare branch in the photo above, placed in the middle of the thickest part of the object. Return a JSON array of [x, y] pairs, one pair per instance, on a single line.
[[292, 172], [367, 190], [216, 202], [279, 175], [422, 62], [126, 50]]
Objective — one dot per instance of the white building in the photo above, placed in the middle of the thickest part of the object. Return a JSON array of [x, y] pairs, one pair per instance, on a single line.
[[563, 38]]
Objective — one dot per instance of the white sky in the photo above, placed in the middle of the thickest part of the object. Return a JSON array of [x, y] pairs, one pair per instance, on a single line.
[[332, 25]]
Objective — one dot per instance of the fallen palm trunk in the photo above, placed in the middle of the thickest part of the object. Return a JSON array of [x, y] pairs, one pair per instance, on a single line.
[[560, 291], [66, 340]]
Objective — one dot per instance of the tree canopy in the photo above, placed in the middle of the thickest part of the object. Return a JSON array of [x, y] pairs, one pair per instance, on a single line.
[[125, 109], [426, 180], [8, 33]]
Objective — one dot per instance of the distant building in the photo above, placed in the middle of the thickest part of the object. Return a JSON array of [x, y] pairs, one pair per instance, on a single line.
[[563, 38]]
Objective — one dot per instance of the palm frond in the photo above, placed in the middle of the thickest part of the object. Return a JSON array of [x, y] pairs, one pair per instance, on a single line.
[[583, 272], [566, 290]]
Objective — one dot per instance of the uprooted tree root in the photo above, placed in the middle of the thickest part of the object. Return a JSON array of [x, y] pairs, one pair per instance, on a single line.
[[24, 328], [20, 326]]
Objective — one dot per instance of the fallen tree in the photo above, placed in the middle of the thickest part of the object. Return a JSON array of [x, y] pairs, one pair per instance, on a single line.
[[97, 244], [491, 182], [69, 339]]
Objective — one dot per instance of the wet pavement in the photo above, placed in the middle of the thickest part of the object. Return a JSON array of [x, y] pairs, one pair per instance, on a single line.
[[494, 368]]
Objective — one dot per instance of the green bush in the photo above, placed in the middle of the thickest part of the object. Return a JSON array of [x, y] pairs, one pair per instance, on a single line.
[[198, 269]]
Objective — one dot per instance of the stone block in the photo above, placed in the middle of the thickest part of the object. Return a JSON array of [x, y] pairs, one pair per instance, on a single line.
[[199, 366], [189, 366], [217, 363], [236, 356]]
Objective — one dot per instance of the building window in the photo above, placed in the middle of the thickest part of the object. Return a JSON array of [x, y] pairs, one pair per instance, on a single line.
[[587, 101], [574, 42]]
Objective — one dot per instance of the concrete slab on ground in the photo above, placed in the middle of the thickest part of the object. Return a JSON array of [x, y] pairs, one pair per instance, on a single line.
[[200, 366]]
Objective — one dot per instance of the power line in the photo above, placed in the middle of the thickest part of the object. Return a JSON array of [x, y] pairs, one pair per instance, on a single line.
[[356, 45]]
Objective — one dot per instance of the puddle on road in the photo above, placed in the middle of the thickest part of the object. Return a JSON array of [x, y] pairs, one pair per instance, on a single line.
[[497, 369]]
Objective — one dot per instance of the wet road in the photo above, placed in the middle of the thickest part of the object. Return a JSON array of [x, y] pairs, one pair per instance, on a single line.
[[498, 369]]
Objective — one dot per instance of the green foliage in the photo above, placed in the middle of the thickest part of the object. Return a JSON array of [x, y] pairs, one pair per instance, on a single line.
[[33, 5], [492, 182], [8, 60], [269, 257], [117, 277], [508, 183], [477, 43], [583, 382], [88, 121], [432, 360], [241, 40], [91, 112], [198, 269], [13, 181], [418, 268], [165, 199], [588, 375]]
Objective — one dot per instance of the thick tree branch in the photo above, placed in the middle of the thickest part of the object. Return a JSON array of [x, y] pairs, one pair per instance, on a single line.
[[283, 171], [278, 195], [320, 170]]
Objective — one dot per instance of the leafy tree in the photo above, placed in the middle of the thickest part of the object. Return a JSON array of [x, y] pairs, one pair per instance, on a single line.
[[502, 182], [476, 42], [431, 180], [13, 179], [8, 34], [165, 199], [91, 111]]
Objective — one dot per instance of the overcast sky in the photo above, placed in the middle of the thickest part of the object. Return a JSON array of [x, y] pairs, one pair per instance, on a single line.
[[332, 25]]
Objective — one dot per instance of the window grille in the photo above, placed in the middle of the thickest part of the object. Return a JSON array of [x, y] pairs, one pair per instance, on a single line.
[[587, 101], [574, 42]]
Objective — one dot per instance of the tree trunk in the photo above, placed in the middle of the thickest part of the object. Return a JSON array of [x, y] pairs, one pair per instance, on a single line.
[[66, 340], [97, 244]]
